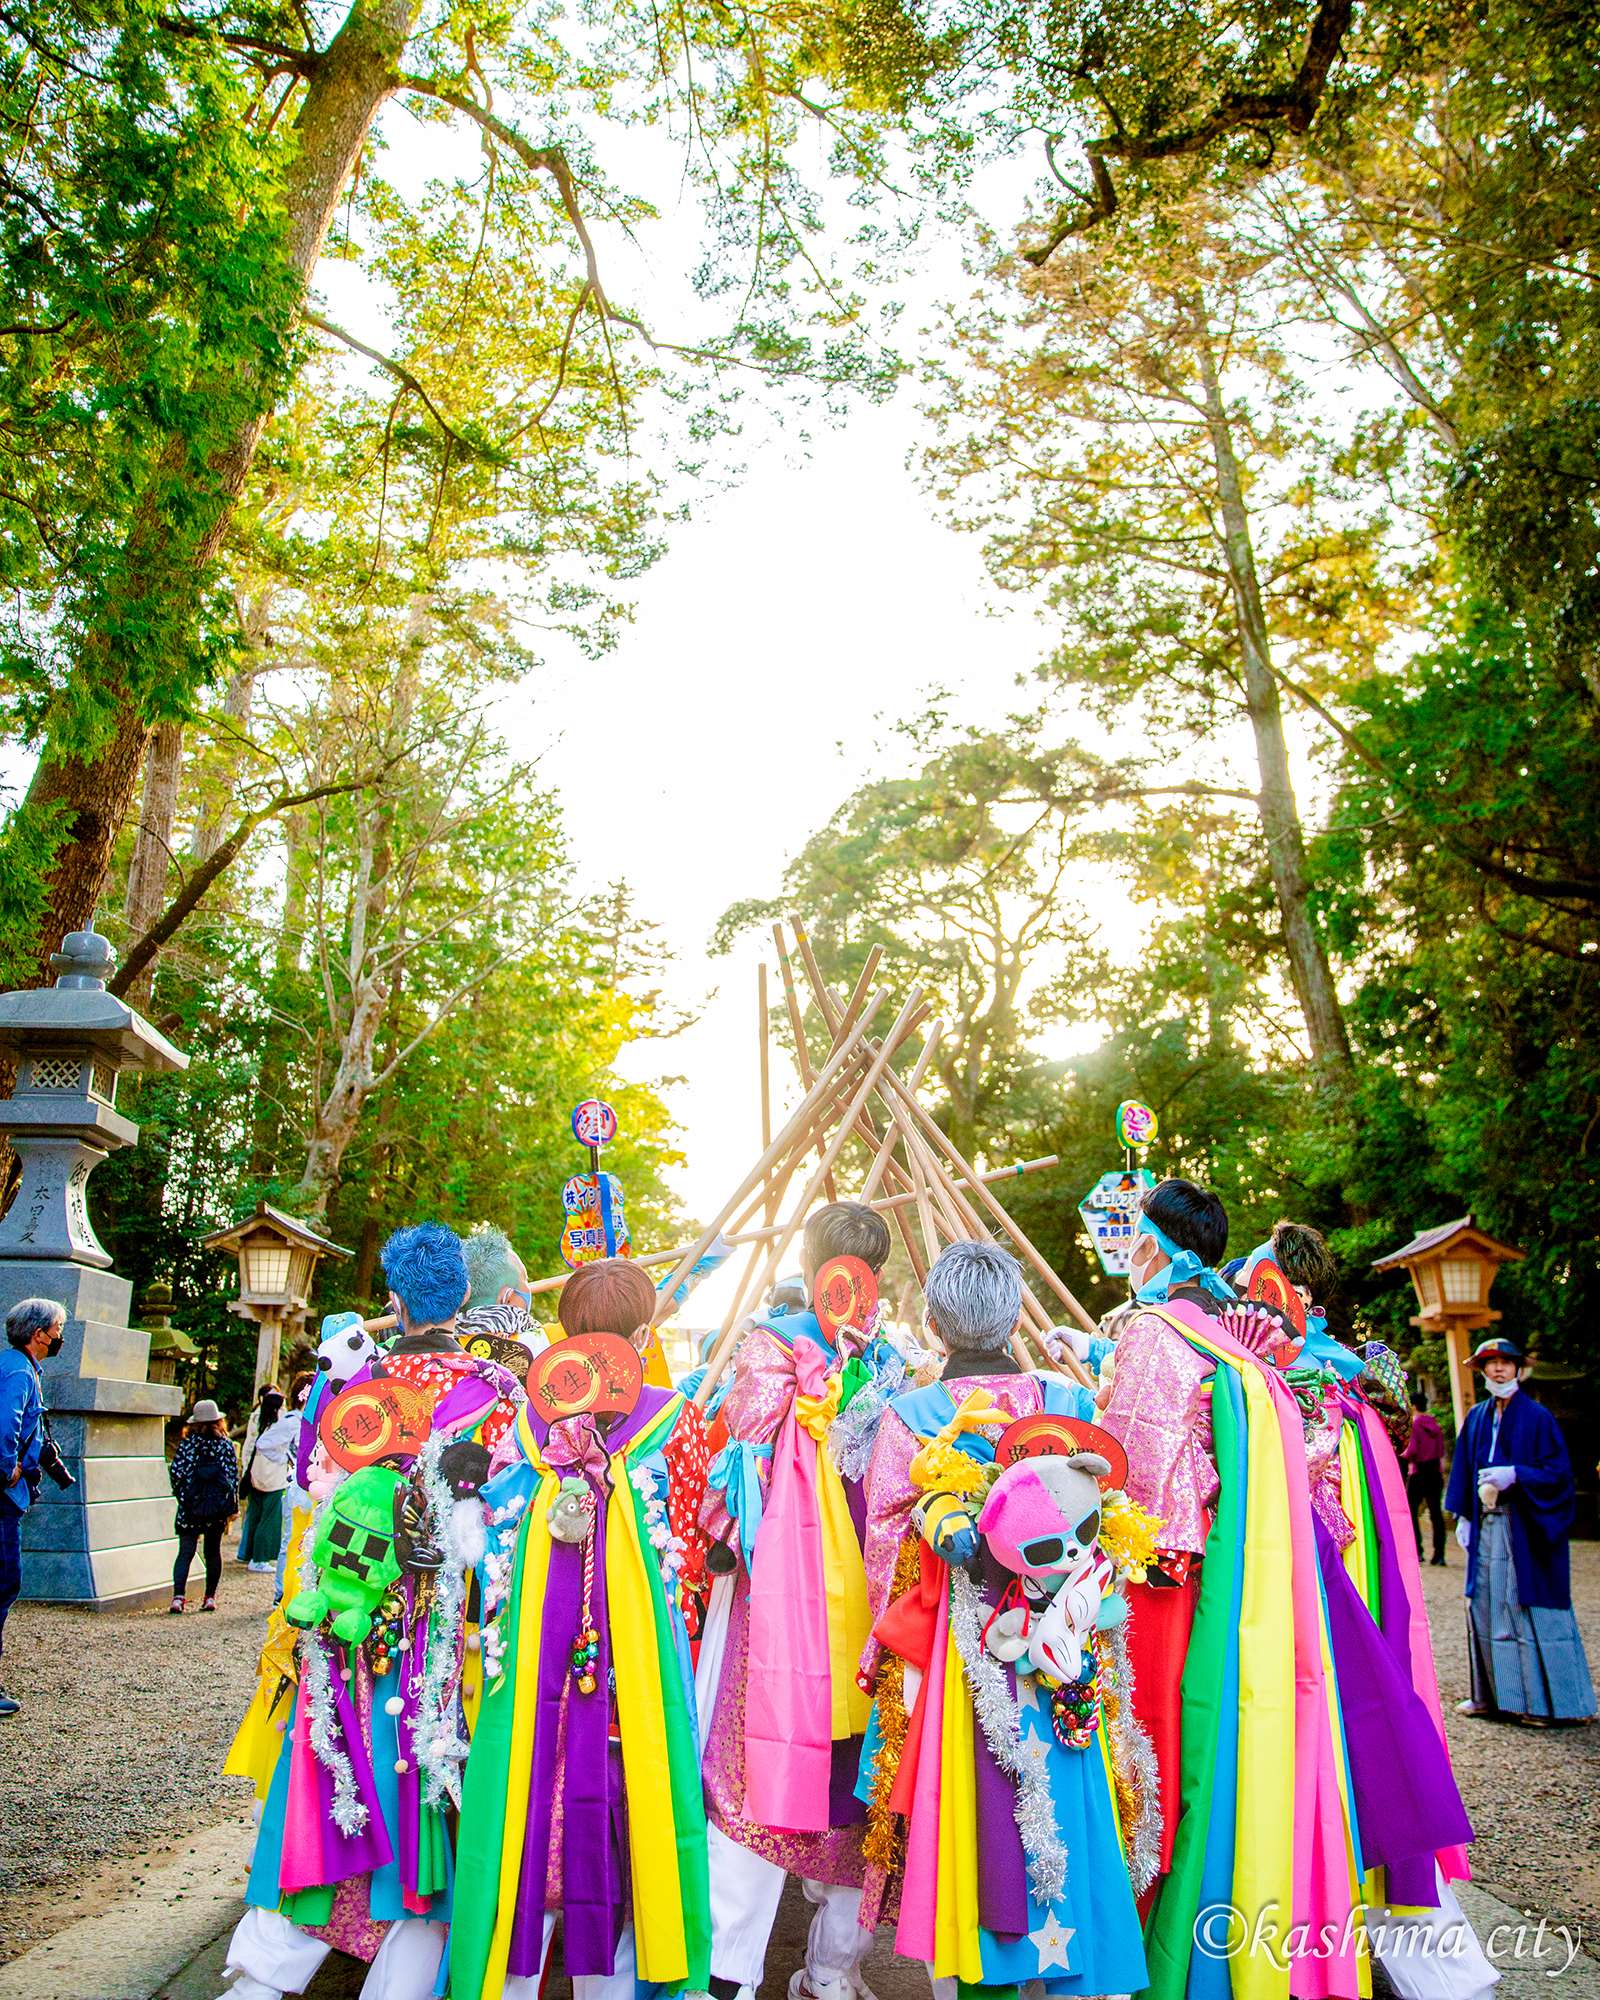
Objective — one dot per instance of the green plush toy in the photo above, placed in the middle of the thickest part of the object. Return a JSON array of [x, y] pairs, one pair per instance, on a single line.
[[354, 1553]]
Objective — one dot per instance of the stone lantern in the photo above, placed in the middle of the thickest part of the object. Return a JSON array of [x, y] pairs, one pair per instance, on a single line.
[[1451, 1269], [168, 1346], [277, 1256], [107, 1541]]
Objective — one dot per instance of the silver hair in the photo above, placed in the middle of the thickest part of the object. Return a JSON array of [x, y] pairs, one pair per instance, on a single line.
[[32, 1316], [491, 1264], [974, 1293]]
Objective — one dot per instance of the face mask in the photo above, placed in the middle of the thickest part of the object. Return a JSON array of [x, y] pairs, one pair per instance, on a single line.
[[1502, 1389], [53, 1346]]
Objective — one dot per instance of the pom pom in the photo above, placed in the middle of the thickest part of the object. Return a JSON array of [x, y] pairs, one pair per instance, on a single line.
[[401, 1766], [394, 1706], [474, 1641]]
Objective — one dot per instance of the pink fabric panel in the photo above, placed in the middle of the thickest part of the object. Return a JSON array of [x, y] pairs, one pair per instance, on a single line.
[[788, 1702]]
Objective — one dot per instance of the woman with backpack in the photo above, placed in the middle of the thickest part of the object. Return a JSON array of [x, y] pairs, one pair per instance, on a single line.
[[205, 1479], [264, 1456]]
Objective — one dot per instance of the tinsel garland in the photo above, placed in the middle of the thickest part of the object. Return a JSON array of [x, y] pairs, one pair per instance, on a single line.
[[854, 1431], [881, 1846], [316, 1685], [1002, 1729], [440, 1747], [658, 1530], [1133, 1761]]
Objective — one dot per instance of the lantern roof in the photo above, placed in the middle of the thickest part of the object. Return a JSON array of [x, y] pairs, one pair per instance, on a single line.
[[1463, 1233], [273, 1219], [79, 1009]]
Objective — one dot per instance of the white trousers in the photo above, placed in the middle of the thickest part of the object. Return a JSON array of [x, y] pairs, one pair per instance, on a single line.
[[272, 1958], [745, 1893], [618, 1985], [1431, 1954]]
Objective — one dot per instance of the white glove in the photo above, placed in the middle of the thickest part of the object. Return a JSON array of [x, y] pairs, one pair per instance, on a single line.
[[1464, 1535], [1498, 1475], [1062, 1340]]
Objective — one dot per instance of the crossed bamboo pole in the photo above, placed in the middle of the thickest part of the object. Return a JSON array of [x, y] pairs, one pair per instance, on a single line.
[[857, 1094]]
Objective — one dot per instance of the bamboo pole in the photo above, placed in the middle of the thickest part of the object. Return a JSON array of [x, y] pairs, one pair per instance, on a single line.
[[883, 1161], [797, 1028], [891, 1042], [991, 1176], [1040, 1263], [779, 1150]]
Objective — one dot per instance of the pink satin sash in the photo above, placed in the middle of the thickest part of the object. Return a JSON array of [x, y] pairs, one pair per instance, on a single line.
[[788, 1703], [919, 1894]]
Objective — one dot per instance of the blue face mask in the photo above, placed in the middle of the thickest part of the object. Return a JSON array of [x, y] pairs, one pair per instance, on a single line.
[[1184, 1269]]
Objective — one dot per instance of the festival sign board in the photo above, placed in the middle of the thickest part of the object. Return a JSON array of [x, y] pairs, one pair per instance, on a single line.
[[1109, 1211]]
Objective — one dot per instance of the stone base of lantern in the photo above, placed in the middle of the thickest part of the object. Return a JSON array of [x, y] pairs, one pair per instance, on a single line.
[[106, 1543]]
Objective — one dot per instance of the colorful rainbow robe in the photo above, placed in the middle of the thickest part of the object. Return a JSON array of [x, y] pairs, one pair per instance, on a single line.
[[633, 1828], [1268, 1821], [967, 1905]]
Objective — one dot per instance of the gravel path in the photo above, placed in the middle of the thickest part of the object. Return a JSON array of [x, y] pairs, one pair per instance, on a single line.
[[1533, 1795], [126, 1718]]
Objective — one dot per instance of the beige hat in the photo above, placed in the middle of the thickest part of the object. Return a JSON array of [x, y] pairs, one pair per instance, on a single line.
[[206, 1412]]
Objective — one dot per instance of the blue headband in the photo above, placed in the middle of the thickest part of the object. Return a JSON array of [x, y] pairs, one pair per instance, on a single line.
[[1184, 1269]]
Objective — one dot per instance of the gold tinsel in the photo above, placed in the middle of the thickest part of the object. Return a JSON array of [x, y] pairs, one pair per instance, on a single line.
[[1128, 1534], [881, 1845]]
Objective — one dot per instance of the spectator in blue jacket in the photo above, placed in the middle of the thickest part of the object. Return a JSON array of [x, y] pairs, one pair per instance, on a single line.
[[33, 1331]]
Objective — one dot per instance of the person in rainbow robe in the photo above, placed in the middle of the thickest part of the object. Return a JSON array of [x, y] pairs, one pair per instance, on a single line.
[[781, 1713], [1009, 1759], [368, 1684], [582, 1793], [1308, 1750]]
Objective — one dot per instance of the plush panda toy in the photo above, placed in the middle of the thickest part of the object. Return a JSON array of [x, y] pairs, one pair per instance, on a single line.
[[345, 1350]]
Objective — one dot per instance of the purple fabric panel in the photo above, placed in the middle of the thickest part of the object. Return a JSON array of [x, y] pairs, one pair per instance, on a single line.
[[591, 1899], [563, 1600], [1406, 1800], [844, 1808], [855, 1494], [342, 1853], [1002, 1870], [409, 1780]]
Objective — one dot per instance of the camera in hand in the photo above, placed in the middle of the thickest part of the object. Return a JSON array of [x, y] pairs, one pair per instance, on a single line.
[[53, 1466]]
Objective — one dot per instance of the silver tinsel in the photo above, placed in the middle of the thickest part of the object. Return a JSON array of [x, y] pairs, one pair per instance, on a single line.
[[1002, 1729], [1134, 1754], [441, 1749], [854, 1431], [316, 1683]]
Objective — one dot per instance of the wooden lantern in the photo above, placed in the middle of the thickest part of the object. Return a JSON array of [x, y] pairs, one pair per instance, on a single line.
[[277, 1256], [1451, 1270]]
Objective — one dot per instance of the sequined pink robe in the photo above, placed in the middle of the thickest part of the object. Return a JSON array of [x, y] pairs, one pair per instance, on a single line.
[[754, 1409]]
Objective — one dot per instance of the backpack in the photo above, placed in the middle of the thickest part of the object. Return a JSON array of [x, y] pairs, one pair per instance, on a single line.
[[210, 1492]]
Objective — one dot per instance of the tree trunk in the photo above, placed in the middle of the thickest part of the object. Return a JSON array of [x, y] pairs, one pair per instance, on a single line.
[[152, 852], [1280, 816], [278, 1043], [217, 805], [82, 795]]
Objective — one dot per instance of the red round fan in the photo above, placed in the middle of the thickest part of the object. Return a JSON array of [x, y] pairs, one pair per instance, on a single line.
[[1049, 1435], [845, 1295], [384, 1418], [593, 1374]]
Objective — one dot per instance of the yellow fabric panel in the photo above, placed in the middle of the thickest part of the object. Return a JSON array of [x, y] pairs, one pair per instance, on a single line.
[[1111, 1785], [255, 1749], [662, 1953], [849, 1619], [472, 1685], [535, 1569], [957, 1948]]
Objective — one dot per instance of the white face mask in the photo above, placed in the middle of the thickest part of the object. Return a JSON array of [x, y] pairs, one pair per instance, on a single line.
[[1502, 1389]]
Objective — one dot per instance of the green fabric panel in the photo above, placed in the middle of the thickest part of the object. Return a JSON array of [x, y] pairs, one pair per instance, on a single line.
[[966, 1991], [310, 1906], [1169, 1931], [433, 1877], [683, 1773], [480, 1839]]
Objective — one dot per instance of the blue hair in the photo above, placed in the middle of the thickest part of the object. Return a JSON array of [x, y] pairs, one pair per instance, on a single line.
[[426, 1272]]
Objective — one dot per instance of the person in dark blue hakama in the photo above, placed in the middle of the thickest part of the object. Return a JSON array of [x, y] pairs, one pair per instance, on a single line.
[[1511, 1491]]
